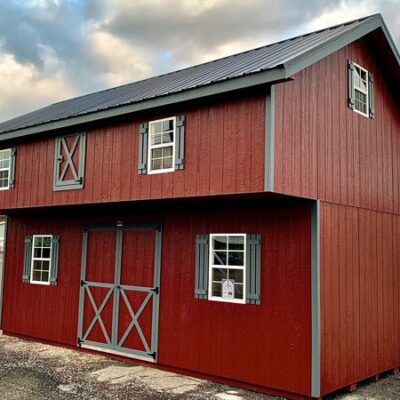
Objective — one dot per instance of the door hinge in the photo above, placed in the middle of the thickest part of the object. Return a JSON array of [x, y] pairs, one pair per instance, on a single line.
[[153, 355], [83, 283], [80, 341], [156, 290]]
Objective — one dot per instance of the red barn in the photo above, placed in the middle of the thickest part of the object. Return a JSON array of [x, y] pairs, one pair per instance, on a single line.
[[238, 220]]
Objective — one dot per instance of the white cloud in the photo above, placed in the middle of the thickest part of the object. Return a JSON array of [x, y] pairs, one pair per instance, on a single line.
[[24, 87], [342, 13], [118, 61], [54, 49], [199, 55]]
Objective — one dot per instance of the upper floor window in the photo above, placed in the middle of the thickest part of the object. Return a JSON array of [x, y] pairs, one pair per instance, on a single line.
[[361, 90], [161, 145], [7, 160], [69, 162]]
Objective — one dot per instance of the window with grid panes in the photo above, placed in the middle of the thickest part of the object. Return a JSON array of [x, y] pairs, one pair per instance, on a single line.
[[360, 81], [227, 267], [162, 145], [5, 166], [41, 259]]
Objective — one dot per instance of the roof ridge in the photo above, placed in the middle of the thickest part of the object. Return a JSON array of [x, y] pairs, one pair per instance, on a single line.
[[262, 65], [218, 59]]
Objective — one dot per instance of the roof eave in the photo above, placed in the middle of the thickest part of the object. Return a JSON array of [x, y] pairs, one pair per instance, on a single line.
[[305, 60], [264, 77], [275, 74]]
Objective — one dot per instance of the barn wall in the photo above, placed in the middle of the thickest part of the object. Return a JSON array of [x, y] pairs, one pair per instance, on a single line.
[[326, 151], [267, 345], [224, 154], [360, 286]]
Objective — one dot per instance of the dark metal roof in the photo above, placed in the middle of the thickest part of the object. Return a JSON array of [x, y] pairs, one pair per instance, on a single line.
[[281, 55]]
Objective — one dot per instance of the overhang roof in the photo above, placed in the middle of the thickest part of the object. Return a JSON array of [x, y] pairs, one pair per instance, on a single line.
[[274, 62]]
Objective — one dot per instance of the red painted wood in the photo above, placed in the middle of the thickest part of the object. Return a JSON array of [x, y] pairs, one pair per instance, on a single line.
[[224, 154], [100, 267], [359, 294], [226, 341], [325, 150]]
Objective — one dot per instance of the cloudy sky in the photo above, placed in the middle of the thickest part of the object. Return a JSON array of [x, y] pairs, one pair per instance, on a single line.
[[55, 49]]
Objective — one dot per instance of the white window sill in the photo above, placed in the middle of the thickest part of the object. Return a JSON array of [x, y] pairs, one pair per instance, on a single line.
[[221, 300], [40, 283], [361, 113], [161, 171]]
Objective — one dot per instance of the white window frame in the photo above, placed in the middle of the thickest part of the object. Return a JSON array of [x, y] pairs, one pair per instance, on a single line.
[[7, 169], [211, 266], [366, 92], [160, 146], [40, 259]]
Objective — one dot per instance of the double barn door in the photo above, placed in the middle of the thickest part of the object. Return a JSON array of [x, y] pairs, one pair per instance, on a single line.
[[119, 296]]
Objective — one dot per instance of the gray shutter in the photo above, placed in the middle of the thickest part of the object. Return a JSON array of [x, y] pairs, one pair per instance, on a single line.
[[143, 146], [27, 259], [253, 269], [351, 84], [201, 282], [180, 143], [12, 168], [54, 260], [371, 96]]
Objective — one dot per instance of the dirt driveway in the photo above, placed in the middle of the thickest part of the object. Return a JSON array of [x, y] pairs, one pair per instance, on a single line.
[[34, 371]]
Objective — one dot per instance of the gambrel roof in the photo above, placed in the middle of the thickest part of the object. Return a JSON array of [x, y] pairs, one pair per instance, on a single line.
[[274, 62]]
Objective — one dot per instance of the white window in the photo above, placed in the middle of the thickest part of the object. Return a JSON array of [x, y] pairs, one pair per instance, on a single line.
[[360, 81], [5, 168], [227, 268], [162, 134], [41, 259]]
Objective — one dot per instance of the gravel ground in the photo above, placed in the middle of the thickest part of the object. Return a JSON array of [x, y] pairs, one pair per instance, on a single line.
[[34, 371]]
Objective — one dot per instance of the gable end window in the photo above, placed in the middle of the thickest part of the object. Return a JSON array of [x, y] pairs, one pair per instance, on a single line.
[[69, 162], [41, 259], [161, 145], [228, 268], [7, 167], [361, 90]]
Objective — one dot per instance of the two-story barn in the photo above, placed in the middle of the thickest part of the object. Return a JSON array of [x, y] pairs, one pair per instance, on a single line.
[[238, 220]]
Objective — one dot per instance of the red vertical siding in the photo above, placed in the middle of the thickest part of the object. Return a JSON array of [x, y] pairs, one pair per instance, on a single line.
[[266, 345], [359, 294], [326, 151], [224, 154]]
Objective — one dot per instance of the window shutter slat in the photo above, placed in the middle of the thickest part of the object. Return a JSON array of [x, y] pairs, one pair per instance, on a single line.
[[27, 259], [351, 84], [12, 168], [143, 143], [201, 278], [253, 268], [371, 95], [54, 260], [180, 143]]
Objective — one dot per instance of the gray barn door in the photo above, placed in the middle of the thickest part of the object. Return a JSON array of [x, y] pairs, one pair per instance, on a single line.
[[119, 295]]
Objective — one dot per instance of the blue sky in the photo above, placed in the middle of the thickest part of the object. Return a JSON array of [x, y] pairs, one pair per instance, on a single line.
[[51, 50]]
